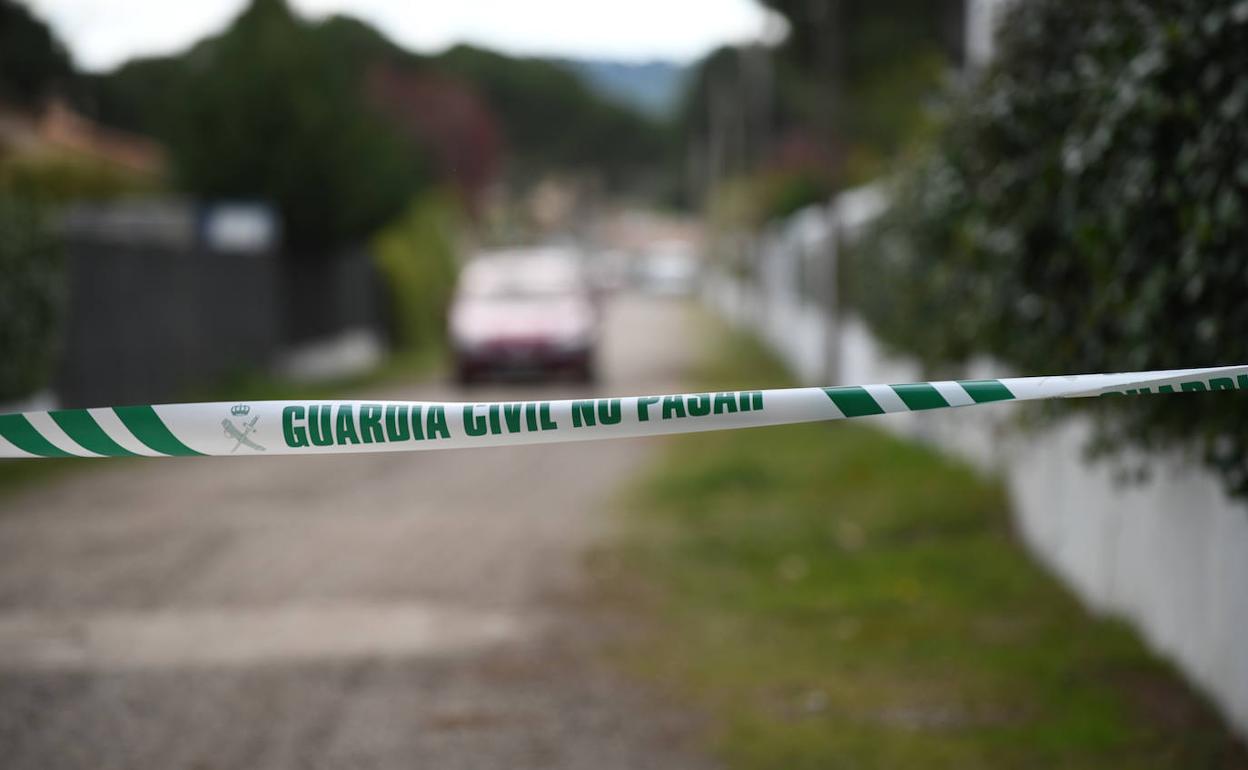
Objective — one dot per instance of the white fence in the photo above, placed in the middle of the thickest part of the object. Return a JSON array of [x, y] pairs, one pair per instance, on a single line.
[[1170, 555]]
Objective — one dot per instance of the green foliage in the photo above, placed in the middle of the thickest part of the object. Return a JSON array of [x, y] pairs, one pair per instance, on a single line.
[[554, 122], [753, 201], [830, 596], [31, 298], [849, 83], [50, 179], [32, 60], [278, 107], [273, 108], [860, 70], [784, 193], [142, 95], [272, 112], [888, 112], [871, 33], [1085, 211], [417, 256]]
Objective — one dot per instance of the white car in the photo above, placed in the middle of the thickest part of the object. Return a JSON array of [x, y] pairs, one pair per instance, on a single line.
[[524, 312]]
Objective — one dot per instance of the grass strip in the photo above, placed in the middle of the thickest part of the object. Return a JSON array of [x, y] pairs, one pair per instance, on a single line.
[[831, 596]]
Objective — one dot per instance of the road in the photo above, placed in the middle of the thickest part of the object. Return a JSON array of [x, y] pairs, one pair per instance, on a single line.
[[367, 611]]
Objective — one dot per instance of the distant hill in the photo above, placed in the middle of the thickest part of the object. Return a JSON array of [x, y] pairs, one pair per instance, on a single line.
[[654, 88]]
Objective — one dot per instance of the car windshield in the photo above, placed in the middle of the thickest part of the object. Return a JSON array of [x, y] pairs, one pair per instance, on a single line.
[[516, 279]]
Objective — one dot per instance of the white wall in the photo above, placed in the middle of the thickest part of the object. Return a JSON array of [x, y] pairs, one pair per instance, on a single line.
[[1169, 555]]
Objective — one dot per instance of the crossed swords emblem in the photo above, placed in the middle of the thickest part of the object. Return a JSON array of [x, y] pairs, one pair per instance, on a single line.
[[240, 435]]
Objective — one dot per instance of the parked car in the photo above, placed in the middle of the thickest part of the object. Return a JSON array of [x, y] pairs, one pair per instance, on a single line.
[[669, 268], [529, 312]]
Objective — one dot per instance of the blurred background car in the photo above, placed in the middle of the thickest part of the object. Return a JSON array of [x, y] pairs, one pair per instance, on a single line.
[[524, 313], [668, 269]]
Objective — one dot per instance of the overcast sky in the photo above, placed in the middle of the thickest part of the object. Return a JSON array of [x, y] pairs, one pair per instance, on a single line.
[[103, 33]]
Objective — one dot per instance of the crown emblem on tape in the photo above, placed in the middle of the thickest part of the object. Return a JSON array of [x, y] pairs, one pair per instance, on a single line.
[[239, 410]]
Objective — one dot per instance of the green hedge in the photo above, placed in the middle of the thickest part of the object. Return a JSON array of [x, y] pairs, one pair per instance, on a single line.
[[50, 180], [31, 299], [416, 256], [1085, 209]]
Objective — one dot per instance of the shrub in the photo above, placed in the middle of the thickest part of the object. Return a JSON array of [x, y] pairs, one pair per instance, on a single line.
[[49, 179], [31, 299], [1085, 210], [416, 257]]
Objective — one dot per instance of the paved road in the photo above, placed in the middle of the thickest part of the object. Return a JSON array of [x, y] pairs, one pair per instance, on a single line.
[[420, 610]]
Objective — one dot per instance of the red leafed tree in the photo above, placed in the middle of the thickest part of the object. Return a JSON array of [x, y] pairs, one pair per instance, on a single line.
[[448, 119]]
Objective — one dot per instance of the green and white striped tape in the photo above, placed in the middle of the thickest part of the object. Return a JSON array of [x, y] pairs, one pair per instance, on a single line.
[[328, 427]]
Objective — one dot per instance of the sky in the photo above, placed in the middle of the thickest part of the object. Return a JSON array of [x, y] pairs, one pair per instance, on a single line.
[[101, 34]]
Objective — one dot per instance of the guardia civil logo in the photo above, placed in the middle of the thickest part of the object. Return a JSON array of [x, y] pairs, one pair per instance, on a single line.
[[241, 435]]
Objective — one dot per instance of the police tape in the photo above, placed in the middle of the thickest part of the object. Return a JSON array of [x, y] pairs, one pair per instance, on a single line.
[[329, 427]]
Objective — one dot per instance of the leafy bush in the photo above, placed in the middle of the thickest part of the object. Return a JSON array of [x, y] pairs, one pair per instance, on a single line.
[[416, 257], [31, 298], [782, 193], [1085, 210]]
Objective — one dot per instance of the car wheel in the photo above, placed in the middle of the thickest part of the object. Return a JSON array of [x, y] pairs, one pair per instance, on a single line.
[[586, 373]]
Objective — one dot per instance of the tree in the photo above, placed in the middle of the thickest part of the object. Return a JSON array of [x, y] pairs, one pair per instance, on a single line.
[[303, 114], [849, 80], [553, 122], [271, 112], [32, 60]]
